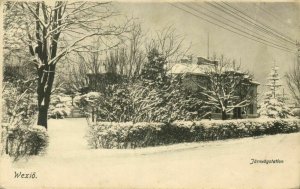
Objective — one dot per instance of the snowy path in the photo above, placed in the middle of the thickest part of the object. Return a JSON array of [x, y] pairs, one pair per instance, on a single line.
[[67, 135], [70, 163]]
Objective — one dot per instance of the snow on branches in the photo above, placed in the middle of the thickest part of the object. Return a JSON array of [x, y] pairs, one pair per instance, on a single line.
[[273, 105], [225, 87]]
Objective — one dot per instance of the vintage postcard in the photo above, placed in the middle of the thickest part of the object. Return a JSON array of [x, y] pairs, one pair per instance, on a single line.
[[150, 94]]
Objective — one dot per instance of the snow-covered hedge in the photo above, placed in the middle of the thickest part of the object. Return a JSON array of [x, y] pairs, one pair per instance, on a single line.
[[133, 135], [24, 141]]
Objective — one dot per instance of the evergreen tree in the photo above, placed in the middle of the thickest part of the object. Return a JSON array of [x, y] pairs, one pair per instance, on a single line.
[[154, 69], [273, 105], [274, 82]]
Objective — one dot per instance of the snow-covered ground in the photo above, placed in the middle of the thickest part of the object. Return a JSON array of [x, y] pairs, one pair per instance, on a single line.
[[69, 163]]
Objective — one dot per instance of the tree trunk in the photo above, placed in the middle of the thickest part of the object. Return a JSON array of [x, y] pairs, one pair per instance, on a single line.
[[93, 115], [43, 115], [224, 112], [224, 115], [44, 52], [72, 96], [45, 82]]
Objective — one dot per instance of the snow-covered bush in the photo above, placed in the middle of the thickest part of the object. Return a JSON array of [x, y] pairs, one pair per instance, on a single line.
[[60, 106], [89, 104], [19, 136], [274, 107], [17, 102], [141, 102], [134, 135], [116, 105], [25, 141], [112, 105], [163, 103]]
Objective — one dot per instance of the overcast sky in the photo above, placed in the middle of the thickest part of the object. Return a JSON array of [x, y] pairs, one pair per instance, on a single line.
[[258, 58]]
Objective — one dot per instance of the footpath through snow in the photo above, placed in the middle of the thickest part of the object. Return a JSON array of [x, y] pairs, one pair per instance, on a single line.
[[69, 163]]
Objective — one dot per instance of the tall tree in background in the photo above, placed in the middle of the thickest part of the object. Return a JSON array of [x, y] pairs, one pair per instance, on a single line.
[[168, 43], [293, 81], [128, 59], [82, 63], [53, 31]]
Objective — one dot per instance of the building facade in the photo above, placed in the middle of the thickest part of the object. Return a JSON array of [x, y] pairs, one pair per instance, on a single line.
[[194, 77]]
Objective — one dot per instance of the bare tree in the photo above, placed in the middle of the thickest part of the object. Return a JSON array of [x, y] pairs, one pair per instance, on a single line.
[[169, 43], [225, 87], [53, 31], [128, 58], [293, 81], [136, 54]]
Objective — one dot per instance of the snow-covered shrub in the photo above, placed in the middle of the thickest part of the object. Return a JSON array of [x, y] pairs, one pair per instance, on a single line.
[[19, 137], [18, 102], [134, 135], [163, 103], [141, 102], [116, 104], [274, 108], [89, 104], [59, 107], [25, 141]]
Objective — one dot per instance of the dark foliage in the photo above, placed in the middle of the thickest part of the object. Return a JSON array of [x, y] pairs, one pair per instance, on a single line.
[[154, 69]]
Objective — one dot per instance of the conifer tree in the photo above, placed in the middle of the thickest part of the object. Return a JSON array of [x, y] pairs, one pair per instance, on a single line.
[[273, 105], [154, 69]]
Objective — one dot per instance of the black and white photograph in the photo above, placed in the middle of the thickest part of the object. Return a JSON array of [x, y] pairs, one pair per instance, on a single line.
[[150, 94]]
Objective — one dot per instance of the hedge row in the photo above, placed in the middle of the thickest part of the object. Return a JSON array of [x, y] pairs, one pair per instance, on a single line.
[[24, 141], [129, 135]]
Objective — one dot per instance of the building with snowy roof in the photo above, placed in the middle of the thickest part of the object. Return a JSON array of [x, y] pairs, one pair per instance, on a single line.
[[194, 75]]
